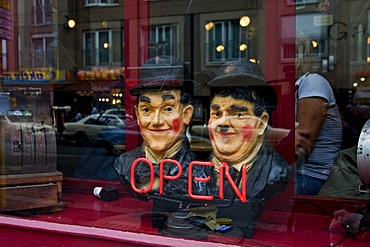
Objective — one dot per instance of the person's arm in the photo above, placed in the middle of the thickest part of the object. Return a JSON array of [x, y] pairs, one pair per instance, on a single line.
[[311, 115]]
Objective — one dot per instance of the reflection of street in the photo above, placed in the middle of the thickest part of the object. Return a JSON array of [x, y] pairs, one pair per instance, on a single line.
[[87, 162], [68, 158]]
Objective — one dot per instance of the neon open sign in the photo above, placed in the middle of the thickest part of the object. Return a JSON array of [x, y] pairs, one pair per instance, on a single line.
[[223, 171]]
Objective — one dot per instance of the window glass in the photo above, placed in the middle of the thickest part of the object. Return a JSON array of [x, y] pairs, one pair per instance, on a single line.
[[237, 124], [163, 40], [99, 48], [42, 11], [227, 34], [100, 2], [103, 45], [39, 52], [89, 48], [117, 43], [43, 51]]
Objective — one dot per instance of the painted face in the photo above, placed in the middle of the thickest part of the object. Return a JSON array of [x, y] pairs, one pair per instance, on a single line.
[[162, 119], [234, 130]]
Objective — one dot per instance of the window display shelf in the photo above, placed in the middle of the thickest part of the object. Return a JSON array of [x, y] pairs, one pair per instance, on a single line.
[[87, 220]]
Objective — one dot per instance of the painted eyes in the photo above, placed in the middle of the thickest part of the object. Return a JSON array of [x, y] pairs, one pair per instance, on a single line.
[[168, 109], [234, 115], [145, 110], [215, 114], [165, 110]]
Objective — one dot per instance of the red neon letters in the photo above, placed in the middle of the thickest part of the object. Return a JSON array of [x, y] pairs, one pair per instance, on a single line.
[[223, 170]]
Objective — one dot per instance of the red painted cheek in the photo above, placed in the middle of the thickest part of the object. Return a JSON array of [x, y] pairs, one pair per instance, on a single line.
[[210, 131], [176, 124], [247, 132]]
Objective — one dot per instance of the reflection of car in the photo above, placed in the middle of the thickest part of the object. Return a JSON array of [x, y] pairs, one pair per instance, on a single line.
[[362, 96], [114, 136], [121, 113], [21, 116], [25, 113], [4, 120], [87, 129], [117, 136]]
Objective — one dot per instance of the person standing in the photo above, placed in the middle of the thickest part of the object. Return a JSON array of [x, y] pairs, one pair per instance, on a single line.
[[94, 110], [318, 134]]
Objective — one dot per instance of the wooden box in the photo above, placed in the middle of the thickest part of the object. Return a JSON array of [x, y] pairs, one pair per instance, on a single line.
[[31, 191]]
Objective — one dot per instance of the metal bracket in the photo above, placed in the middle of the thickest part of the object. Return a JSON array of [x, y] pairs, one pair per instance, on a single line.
[[363, 189]]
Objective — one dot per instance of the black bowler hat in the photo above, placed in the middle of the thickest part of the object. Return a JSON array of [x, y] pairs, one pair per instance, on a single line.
[[244, 73], [161, 72]]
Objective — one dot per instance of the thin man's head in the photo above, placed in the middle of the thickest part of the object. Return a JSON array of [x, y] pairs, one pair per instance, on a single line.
[[164, 103], [162, 118]]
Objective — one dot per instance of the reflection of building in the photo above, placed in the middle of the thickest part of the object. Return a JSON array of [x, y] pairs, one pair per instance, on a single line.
[[93, 50], [30, 63], [203, 37], [97, 41]]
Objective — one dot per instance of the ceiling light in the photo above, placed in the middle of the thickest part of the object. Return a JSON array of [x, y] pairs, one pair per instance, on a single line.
[[245, 21]]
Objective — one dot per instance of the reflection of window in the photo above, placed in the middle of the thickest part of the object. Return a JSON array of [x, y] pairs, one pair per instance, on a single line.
[[100, 2], [42, 11], [43, 52], [99, 47], [226, 40], [318, 47], [164, 40], [288, 51], [309, 48], [92, 121], [298, 2], [4, 55]]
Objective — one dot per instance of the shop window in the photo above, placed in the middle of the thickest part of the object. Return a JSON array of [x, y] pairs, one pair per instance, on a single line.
[[226, 40], [42, 11], [164, 40], [91, 73], [99, 47], [43, 52], [4, 55], [368, 38], [358, 34], [312, 48], [300, 2], [100, 2]]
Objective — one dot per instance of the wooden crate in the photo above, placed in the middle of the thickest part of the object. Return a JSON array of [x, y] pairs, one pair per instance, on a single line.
[[31, 191]]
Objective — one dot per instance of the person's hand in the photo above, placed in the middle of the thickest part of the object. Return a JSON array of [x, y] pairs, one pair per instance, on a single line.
[[339, 217], [336, 229], [345, 221], [303, 144]]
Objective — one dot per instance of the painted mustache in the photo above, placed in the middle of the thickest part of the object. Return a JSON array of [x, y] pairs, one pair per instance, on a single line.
[[224, 129]]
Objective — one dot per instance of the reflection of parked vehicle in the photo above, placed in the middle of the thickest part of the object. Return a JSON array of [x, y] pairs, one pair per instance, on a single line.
[[114, 136], [362, 96], [117, 136], [121, 113], [4, 120], [21, 116], [87, 129]]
